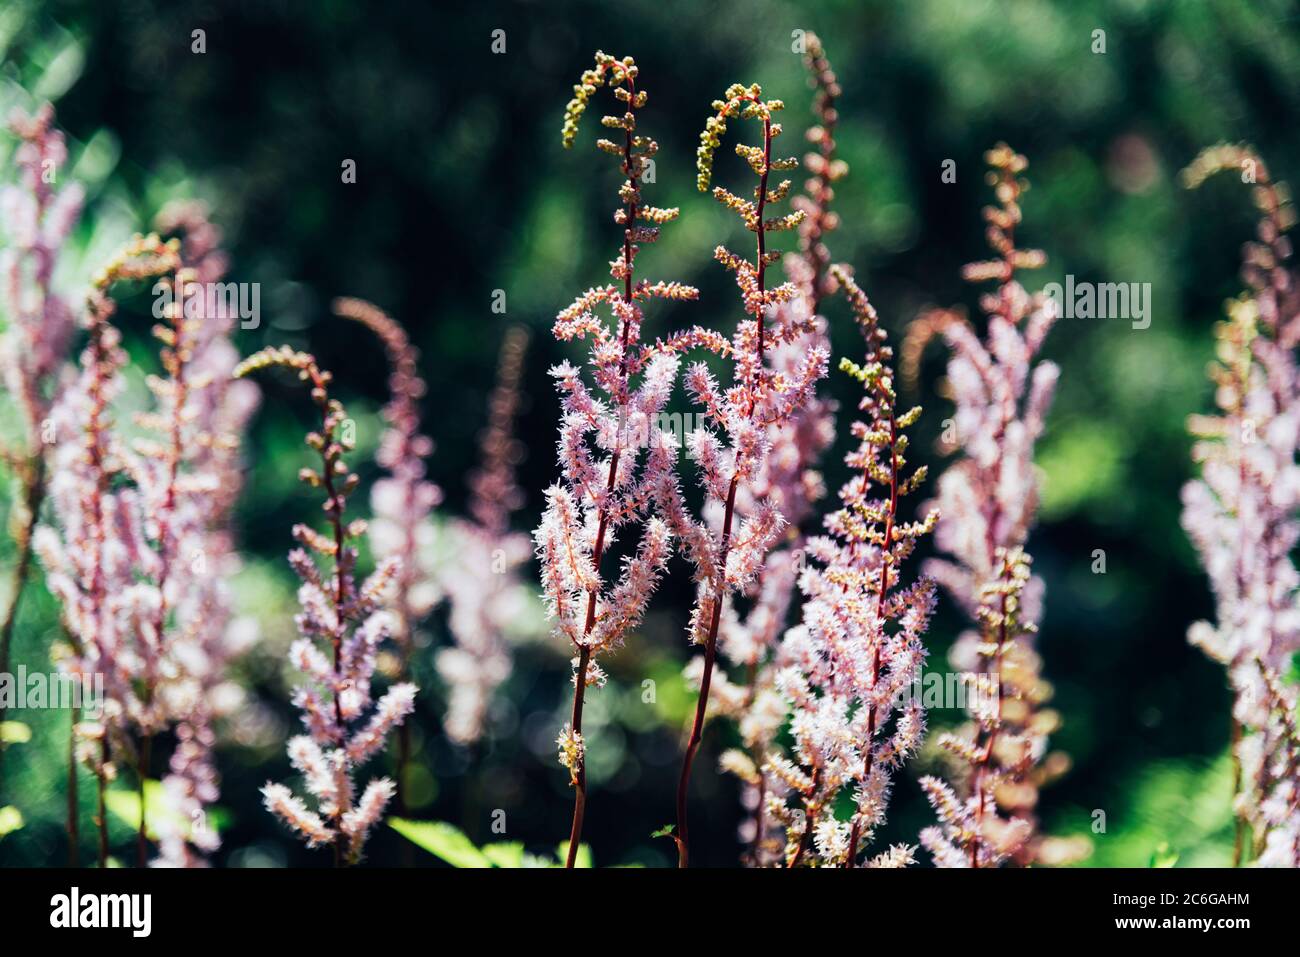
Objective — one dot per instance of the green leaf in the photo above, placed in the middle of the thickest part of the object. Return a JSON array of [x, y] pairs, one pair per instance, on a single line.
[[11, 819], [125, 806], [665, 831], [61, 72], [98, 158], [505, 854], [442, 840], [1164, 855], [14, 732]]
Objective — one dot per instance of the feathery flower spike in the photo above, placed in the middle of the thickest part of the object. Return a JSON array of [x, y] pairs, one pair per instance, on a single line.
[[789, 477], [1241, 514], [727, 559], [988, 500], [135, 525], [606, 483], [345, 726], [37, 219], [403, 501], [483, 584], [848, 667]]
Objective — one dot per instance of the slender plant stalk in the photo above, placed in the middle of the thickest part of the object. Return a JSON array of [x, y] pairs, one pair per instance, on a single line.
[[986, 755], [1239, 828], [74, 836], [404, 733], [580, 773], [340, 594], [701, 705], [869, 752], [175, 358], [101, 818], [820, 184], [31, 495], [142, 772], [598, 551], [711, 643], [402, 453], [789, 473], [814, 812], [98, 589], [334, 609], [993, 499], [34, 327], [584, 653]]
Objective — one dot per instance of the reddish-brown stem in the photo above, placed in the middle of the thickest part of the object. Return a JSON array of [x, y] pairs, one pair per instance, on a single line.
[[31, 480], [404, 641], [101, 818], [987, 754], [95, 451], [810, 825], [697, 728], [404, 669], [992, 518], [32, 494], [177, 368], [762, 234], [868, 749], [602, 525], [580, 677], [1239, 831], [580, 771], [74, 836], [142, 772], [711, 641], [817, 257], [335, 512]]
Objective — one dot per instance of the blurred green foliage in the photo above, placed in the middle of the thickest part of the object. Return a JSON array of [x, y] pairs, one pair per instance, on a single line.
[[450, 845], [463, 189]]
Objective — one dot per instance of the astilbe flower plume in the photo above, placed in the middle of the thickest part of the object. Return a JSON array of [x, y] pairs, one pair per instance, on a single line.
[[789, 477], [143, 547], [1241, 513], [403, 501], [762, 398], [847, 668], [606, 483], [482, 583], [825, 169], [206, 636], [341, 624], [988, 500], [123, 515], [37, 217], [1004, 746]]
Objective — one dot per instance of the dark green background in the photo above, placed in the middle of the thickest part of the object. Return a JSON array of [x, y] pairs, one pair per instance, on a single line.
[[463, 189]]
